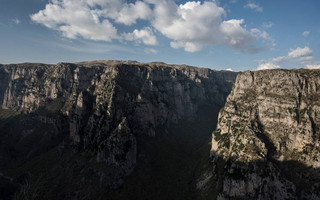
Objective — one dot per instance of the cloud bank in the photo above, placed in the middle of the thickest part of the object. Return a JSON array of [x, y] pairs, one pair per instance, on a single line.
[[191, 26], [313, 66], [267, 65], [299, 55]]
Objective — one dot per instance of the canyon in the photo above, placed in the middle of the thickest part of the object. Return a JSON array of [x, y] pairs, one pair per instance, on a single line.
[[129, 130], [84, 130]]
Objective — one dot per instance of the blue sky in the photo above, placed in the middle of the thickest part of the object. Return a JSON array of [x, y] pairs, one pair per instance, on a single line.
[[220, 34]]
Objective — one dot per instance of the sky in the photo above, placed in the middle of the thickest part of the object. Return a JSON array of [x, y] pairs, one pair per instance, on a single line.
[[233, 35]]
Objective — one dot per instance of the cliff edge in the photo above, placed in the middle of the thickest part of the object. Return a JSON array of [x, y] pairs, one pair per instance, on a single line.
[[267, 141]]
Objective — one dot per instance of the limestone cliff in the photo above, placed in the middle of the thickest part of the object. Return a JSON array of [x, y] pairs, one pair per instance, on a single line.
[[87, 116], [267, 141]]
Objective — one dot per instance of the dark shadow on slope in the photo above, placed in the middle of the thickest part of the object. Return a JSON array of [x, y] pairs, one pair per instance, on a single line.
[[41, 164], [305, 179], [258, 129], [302, 176], [167, 164], [38, 161], [170, 163], [24, 139], [4, 80]]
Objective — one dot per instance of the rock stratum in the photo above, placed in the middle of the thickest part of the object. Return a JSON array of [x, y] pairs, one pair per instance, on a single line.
[[267, 141], [78, 130]]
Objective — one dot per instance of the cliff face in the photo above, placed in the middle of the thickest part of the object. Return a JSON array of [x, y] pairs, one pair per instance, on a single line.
[[95, 111], [77, 130], [267, 141]]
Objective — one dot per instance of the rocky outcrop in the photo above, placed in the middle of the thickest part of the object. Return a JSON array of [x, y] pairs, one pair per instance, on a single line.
[[105, 106], [267, 141]]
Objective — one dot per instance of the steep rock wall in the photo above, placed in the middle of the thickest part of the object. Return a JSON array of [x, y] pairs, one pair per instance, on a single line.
[[106, 105], [267, 141]]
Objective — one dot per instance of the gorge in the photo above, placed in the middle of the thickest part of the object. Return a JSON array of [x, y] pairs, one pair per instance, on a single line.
[[129, 130]]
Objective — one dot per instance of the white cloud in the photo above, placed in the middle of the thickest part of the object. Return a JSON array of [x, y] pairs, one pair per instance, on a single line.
[[300, 52], [191, 26], [305, 33], [92, 19], [264, 35], [144, 35], [235, 36], [16, 21], [279, 59], [313, 66], [229, 69], [150, 51], [131, 12], [298, 55], [305, 58], [267, 65], [188, 46], [254, 6], [102, 3], [194, 25], [75, 18]]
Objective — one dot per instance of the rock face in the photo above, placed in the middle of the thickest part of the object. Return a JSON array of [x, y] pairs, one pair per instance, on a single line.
[[95, 112], [267, 141]]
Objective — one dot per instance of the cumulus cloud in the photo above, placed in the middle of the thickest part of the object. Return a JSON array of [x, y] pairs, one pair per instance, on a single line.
[[188, 46], [191, 26], [75, 18], [305, 33], [262, 34], [229, 69], [254, 6], [267, 65], [300, 53], [90, 19], [144, 35], [131, 12], [235, 36], [194, 25]]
